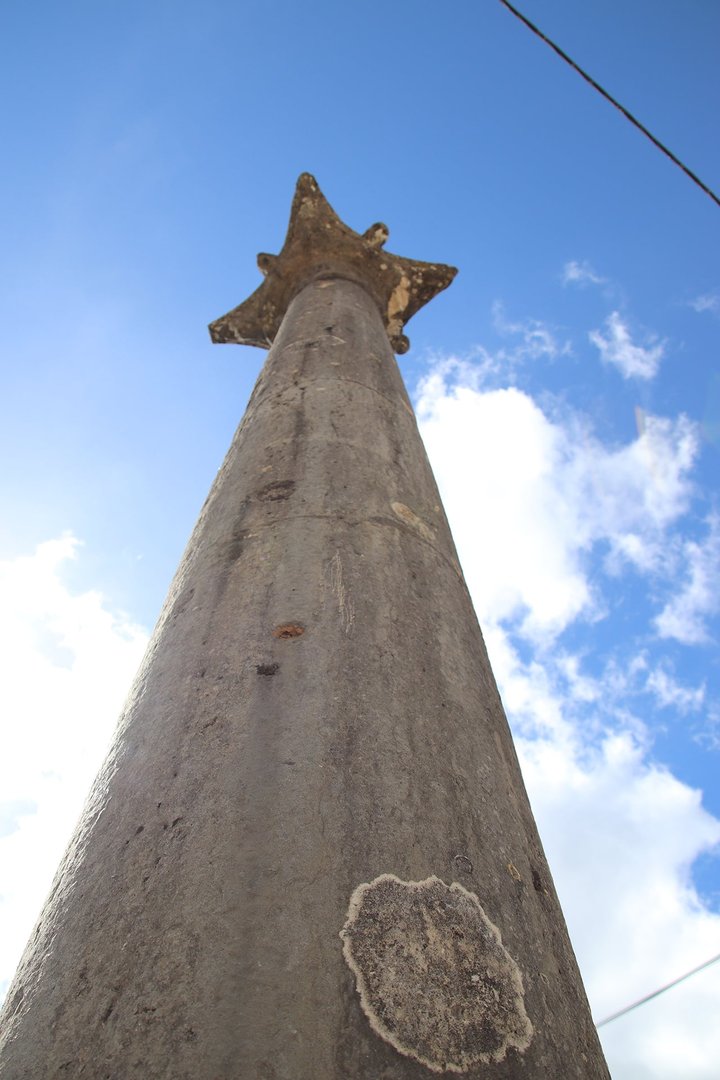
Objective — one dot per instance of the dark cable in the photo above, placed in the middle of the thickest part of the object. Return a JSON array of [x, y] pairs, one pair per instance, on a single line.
[[649, 997], [611, 99]]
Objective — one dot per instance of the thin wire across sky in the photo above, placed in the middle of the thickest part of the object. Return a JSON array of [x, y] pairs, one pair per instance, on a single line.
[[613, 101], [656, 993]]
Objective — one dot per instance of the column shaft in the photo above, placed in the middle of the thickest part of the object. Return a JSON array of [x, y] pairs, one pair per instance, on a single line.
[[316, 709]]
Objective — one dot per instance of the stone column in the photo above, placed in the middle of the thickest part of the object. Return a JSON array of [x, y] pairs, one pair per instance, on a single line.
[[309, 854]]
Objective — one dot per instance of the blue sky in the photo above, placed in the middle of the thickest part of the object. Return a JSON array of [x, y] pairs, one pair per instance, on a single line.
[[569, 375]]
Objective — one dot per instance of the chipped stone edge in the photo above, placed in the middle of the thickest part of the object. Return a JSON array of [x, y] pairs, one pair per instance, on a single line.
[[516, 977]]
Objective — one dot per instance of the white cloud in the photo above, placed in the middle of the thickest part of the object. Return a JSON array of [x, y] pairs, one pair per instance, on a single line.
[[580, 273], [706, 302], [621, 835], [617, 347], [530, 496], [511, 571], [555, 492], [66, 662], [684, 616]]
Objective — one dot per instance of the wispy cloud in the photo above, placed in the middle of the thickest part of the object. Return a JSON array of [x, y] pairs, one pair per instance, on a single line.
[[684, 616], [670, 694], [536, 339], [706, 302], [480, 368], [580, 273], [617, 347]]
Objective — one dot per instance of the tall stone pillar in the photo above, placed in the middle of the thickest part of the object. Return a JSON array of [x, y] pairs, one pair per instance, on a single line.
[[309, 854]]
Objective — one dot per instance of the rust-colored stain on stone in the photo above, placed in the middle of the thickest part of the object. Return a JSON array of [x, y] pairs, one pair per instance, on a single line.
[[434, 978], [288, 630]]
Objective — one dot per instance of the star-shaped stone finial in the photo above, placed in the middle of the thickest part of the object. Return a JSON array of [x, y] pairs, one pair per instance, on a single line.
[[319, 245]]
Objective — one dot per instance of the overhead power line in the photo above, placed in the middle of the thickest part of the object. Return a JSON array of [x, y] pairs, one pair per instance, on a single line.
[[655, 993], [613, 101]]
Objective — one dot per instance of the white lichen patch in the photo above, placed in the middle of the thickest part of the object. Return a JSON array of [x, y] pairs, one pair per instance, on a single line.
[[434, 978]]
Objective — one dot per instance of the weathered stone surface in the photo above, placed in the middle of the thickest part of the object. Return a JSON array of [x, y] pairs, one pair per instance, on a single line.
[[319, 245], [315, 710]]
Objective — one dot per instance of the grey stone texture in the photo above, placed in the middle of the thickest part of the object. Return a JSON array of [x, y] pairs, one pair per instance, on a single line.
[[315, 710]]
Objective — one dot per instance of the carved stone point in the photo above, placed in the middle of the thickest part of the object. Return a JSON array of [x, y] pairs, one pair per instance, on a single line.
[[319, 245]]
